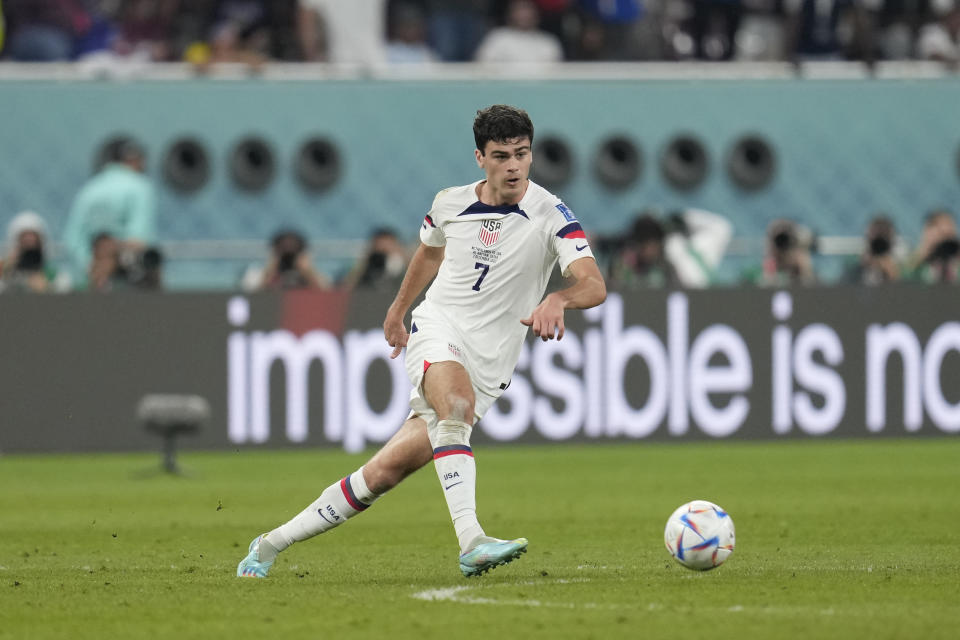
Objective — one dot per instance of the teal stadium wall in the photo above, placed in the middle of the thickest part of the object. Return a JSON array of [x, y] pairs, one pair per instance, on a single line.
[[845, 148]]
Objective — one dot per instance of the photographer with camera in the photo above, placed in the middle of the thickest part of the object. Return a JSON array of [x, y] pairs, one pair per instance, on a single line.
[[288, 267], [787, 259], [114, 267], [878, 263], [25, 266], [683, 249], [382, 266], [937, 257]]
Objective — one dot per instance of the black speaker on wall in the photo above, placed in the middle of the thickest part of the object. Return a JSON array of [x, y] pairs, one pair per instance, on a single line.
[[684, 162], [619, 162], [186, 165], [553, 162], [252, 164], [317, 164], [752, 162]]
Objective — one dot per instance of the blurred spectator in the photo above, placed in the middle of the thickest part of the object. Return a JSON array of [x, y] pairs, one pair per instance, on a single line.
[[147, 28], [715, 25], [609, 29], [878, 262], [937, 257], [44, 30], [407, 35], [382, 266], [520, 39], [684, 250], [26, 265], [558, 17], [456, 27], [249, 32], [882, 30], [118, 200], [787, 259], [352, 32], [940, 39], [239, 32], [288, 266], [813, 28], [760, 35]]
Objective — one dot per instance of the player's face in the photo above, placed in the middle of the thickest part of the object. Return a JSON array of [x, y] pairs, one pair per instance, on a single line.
[[507, 165]]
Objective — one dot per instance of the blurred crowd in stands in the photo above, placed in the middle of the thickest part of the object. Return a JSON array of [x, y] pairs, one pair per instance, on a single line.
[[373, 32]]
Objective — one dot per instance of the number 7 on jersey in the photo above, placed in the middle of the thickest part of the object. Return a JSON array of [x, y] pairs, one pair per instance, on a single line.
[[483, 274]]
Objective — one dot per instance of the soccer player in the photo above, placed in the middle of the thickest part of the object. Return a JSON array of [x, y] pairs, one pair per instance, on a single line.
[[489, 249]]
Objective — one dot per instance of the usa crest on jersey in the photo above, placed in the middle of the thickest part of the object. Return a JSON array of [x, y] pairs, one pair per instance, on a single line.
[[490, 232]]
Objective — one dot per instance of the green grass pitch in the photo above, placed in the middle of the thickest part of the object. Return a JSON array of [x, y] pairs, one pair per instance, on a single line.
[[842, 539]]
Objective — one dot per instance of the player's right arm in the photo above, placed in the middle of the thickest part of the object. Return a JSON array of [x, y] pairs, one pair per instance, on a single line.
[[422, 270]]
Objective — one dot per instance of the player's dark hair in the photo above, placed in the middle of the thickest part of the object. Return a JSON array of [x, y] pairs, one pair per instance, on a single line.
[[501, 123]]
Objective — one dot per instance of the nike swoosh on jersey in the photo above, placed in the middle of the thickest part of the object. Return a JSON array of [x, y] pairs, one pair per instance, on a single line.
[[579, 248]]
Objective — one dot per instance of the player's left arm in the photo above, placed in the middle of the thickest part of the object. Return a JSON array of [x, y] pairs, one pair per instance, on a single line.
[[588, 290]]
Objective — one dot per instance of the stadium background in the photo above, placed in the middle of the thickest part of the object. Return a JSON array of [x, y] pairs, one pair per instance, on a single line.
[[845, 516], [841, 150]]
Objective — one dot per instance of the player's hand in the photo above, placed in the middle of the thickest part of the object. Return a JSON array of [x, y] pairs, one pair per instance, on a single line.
[[547, 319], [395, 332]]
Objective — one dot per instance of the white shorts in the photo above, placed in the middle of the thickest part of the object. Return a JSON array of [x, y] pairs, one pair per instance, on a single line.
[[432, 342]]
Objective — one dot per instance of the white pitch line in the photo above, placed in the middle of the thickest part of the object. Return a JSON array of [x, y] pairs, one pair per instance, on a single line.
[[458, 594], [461, 595]]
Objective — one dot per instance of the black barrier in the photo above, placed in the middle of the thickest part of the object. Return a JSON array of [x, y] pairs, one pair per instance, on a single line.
[[186, 165], [619, 162], [252, 164], [554, 161], [306, 368]]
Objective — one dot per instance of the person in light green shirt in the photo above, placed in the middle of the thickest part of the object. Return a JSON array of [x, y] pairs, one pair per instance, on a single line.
[[118, 200]]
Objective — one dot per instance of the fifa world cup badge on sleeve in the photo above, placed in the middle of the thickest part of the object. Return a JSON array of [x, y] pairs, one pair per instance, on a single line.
[[565, 210]]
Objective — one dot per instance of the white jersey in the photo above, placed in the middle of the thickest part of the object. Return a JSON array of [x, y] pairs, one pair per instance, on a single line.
[[496, 265]]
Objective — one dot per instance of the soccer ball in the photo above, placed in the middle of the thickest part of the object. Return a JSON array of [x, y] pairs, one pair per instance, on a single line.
[[699, 535]]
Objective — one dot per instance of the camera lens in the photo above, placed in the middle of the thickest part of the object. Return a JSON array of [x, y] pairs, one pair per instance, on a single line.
[[287, 260], [946, 249], [783, 240], [31, 259], [879, 246]]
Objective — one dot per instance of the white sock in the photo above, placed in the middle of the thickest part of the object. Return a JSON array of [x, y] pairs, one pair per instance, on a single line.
[[340, 501], [457, 470]]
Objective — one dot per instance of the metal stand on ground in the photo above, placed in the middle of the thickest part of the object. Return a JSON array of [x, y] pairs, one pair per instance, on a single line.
[[170, 416]]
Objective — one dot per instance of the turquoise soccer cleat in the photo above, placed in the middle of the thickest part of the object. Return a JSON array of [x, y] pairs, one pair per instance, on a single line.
[[251, 567], [487, 555]]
